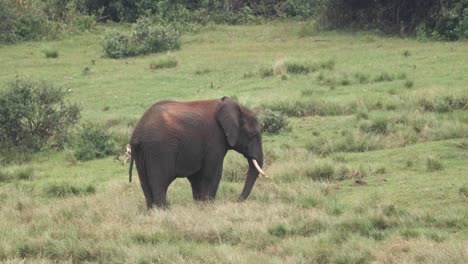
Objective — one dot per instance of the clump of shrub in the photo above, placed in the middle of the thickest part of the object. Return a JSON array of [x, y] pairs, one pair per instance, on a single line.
[[312, 107], [16, 173], [165, 62], [117, 45], [362, 78], [443, 104], [64, 189], [147, 36], [433, 164], [323, 170], [93, 143], [272, 122], [34, 114], [409, 84], [384, 77], [266, 72], [293, 67], [279, 230], [463, 191], [51, 53]]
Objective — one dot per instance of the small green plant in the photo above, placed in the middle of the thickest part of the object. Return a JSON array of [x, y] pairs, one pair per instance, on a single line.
[[409, 84], [93, 142], [433, 164], [272, 122], [51, 53], [294, 67], [204, 71], [86, 71], [64, 189], [16, 173], [345, 81], [362, 78], [165, 62], [266, 72], [362, 113], [322, 171], [248, 75], [406, 53], [279, 230], [384, 77], [463, 191], [326, 65]]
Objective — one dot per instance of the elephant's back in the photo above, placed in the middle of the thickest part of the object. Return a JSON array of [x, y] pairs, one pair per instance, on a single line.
[[176, 119]]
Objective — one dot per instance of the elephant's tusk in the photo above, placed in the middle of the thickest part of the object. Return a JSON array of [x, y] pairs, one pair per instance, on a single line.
[[258, 168]]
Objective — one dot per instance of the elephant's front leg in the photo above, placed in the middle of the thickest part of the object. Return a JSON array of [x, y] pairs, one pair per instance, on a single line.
[[206, 181]]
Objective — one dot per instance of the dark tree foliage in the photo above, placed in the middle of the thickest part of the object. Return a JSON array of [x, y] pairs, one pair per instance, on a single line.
[[441, 19], [34, 113]]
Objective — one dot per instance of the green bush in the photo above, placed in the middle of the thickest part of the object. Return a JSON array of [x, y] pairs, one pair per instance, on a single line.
[[84, 22], [151, 36], [117, 45], [299, 8], [93, 143], [33, 114], [272, 122], [148, 35]]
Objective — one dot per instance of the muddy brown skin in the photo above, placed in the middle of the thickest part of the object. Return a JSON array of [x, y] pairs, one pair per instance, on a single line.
[[191, 139]]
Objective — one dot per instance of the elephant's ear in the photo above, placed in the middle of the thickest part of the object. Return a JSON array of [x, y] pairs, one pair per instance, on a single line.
[[228, 116]]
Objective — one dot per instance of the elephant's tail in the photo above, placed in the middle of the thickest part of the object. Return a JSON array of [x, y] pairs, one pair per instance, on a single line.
[[132, 158], [130, 169]]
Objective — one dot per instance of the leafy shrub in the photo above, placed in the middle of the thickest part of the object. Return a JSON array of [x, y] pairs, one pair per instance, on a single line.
[[151, 36], [84, 22], [148, 35], [299, 8], [272, 122], [34, 113], [93, 143], [117, 45]]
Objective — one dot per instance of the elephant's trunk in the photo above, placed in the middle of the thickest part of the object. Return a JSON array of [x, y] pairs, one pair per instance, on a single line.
[[252, 175]]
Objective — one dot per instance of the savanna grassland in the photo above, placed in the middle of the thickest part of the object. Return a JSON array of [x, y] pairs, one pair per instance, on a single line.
[[373, 166]]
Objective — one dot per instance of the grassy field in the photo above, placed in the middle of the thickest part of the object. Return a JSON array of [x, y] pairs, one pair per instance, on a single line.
[[391, 113]]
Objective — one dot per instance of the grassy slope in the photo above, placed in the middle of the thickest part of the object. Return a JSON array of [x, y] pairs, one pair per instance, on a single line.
[[406, 214]]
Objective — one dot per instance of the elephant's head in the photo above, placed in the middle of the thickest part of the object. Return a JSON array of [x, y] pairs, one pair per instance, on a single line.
[[243, 134]]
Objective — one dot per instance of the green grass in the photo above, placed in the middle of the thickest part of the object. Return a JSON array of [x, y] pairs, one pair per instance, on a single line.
[[360, 106]]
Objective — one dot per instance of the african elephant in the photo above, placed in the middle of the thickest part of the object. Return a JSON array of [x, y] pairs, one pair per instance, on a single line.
[[191, 139]]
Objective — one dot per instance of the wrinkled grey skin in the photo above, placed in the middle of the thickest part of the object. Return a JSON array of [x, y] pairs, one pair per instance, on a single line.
[[191, 139]]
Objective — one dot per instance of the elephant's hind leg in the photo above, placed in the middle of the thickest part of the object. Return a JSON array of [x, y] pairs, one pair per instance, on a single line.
[[144, 183], [160, 177]]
